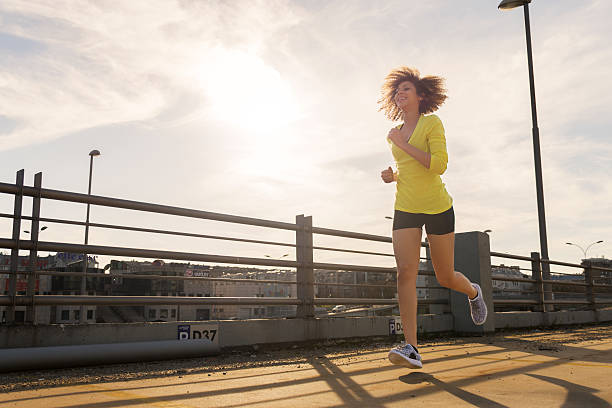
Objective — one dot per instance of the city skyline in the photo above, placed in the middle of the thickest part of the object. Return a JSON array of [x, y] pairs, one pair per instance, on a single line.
[[269, 110]]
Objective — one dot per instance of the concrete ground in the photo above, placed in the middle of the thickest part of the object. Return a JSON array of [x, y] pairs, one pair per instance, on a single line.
[[569, 367]]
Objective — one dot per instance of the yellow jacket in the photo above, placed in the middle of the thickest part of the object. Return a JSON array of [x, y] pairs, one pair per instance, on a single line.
[[420, 190]]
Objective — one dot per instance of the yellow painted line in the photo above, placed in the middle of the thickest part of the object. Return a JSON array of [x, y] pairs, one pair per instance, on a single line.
[[529, 360]]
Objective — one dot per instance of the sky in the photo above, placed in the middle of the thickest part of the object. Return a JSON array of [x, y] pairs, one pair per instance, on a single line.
[[268, 109]]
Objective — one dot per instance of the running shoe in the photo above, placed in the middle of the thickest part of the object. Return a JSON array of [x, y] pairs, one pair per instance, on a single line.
[[406, 355], [478, 308]]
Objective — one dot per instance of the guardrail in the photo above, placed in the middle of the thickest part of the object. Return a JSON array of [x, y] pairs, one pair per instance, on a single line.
[[541, 296], [544, 293], [304, 264]]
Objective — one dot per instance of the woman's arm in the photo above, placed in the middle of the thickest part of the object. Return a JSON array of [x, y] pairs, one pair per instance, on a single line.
[[419, 155], [437, 147], [438, 159]]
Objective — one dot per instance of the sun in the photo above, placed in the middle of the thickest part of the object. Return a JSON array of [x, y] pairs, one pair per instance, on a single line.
[[250, 96], [243, 90]]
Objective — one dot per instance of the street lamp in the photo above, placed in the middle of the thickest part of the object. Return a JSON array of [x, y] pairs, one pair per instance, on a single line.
[[510, 4], [507, 5], [584, 251], [487, 231], [82, 317]]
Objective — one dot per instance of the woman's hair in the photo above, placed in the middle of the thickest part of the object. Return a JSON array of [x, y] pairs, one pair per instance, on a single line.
[[430, 88]]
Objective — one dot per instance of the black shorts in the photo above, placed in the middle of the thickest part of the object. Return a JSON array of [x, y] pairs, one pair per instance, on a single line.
[[435, 224]]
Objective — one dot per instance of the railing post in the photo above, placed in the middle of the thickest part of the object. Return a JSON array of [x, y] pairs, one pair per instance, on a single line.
[[590, 293], [33, 275], [473, 259], [536, 273], [305, 270], [548, 292], [12, 290]]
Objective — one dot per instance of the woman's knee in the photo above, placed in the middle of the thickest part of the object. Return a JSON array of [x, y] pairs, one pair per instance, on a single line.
[[446, 280], [407, 273]]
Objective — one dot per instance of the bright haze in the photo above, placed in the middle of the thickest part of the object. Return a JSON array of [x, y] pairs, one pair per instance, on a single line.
[[268, 109]]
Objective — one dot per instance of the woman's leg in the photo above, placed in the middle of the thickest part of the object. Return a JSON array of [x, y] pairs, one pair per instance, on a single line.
[[407, 250], [442, 249]]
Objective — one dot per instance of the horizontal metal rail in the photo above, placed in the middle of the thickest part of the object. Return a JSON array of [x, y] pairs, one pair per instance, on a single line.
[[144, 253], [158, 277], [190, 234], [349, 234], [600, 268], [186, 256], [567, 302], [152, 230], [352, 251], [556, 282], [49, 300], [364, 301], [510, 279], [46, 300], [510, 256], [141, 206], [515, 302], [370, 285]]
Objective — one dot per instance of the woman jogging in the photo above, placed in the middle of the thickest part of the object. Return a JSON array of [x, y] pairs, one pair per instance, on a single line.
[[418, 146]]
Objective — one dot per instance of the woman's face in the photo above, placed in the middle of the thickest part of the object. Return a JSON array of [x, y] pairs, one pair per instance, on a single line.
[[406, 97]]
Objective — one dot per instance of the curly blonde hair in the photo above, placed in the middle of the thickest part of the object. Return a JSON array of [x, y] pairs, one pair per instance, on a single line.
[[430, 88]]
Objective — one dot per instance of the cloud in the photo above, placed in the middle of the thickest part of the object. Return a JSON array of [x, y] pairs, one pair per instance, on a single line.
[[97, 65], [149, 67]]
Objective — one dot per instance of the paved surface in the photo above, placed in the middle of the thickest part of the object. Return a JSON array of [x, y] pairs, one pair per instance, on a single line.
[[557, 368]]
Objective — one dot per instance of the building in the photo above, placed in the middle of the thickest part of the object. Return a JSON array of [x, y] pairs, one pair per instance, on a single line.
[[509, 289], [51, 285]]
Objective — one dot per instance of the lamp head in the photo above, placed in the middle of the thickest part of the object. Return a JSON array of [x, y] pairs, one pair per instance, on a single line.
[[599, 242], [94, 153], [510, 4]]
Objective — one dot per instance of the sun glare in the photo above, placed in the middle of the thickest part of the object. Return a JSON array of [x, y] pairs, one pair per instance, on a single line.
[[245, 92]]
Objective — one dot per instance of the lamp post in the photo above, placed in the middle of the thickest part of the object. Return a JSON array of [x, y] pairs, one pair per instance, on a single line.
[[82, 317], [507, 5], [584, 251]]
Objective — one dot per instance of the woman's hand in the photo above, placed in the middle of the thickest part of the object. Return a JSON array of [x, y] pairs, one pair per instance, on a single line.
[[395, 136], [387, 175]]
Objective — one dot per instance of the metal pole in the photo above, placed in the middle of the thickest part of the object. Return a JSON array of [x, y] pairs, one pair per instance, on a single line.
[[536, 151], [33, 277], [12, 289], [82, 317], [587, 249]]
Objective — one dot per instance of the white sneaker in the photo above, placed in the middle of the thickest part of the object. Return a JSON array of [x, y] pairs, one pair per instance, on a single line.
[[406, 355]]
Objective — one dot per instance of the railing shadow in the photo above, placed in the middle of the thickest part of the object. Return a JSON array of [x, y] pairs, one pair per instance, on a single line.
[[477, 400], [353, 387]]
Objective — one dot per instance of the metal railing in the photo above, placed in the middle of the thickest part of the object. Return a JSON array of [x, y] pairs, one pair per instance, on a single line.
[[304, 265], [540, 297], [544, 292]]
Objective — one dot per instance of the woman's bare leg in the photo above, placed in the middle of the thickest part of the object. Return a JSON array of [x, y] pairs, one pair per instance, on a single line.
[[442, 249], [407, 250]]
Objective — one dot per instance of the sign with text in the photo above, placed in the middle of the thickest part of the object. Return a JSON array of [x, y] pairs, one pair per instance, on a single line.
[[200, 331], [196, 273], [395, 326]]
